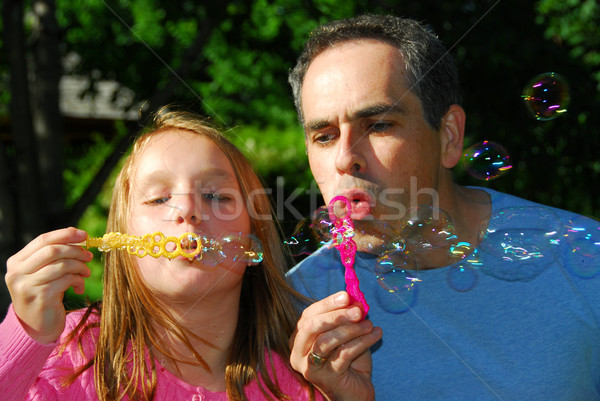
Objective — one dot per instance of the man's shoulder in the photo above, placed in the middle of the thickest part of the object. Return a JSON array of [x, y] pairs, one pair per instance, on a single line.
[[501, 201]]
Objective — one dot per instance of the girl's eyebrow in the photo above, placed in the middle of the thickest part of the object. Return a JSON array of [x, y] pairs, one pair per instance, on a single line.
[[216, 172], [154, 178], [159, 177]]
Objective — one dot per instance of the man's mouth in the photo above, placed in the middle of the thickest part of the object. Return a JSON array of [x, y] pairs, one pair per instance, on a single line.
[[362, 203]]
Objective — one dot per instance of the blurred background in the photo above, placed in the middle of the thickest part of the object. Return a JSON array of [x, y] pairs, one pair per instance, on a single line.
[[78, 77]]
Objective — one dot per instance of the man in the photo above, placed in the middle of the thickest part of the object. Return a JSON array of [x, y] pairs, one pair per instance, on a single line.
[[509, 315]]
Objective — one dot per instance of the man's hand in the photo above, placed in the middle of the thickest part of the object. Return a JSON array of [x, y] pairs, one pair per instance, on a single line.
[[330, 347]]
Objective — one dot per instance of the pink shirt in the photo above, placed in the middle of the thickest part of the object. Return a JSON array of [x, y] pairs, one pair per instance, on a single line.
[[33, 371]]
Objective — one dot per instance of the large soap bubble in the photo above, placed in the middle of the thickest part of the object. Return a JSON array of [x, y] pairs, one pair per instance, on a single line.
[[582, 253], [486, 160], [546, 96], [524, 238]]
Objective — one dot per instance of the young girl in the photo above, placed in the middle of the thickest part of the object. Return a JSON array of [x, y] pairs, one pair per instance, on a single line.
[[166, 329]]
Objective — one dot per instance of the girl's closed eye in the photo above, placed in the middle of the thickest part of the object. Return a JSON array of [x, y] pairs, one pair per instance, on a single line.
[[158, 200], [215, 196]]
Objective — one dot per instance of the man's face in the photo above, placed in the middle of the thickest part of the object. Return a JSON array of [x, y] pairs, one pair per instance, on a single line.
[[366, 136]]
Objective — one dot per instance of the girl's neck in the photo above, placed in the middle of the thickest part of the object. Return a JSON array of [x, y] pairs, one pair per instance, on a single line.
[[211, 327]]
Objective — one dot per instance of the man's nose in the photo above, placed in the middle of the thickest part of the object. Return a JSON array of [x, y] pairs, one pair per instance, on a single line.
[[349, 157]]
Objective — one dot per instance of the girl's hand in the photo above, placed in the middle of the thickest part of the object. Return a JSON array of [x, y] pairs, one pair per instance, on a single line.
[[330, 348], [38, 276]]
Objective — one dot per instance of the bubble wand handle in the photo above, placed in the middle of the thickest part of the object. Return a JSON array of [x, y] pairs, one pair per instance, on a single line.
[[154, 245], [342, 231]]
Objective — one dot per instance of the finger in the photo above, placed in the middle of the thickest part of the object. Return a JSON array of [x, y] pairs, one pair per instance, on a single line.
[[341, 359], [328, 342], [79, 285], [54, 290], [51, 254], [303, 326], [311, 326], [45, 285], [61, 268], [335, 301], [61, 236]]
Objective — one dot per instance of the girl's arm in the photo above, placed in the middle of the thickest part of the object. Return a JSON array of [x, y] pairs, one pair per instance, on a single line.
[[37, 277], [21, 359]]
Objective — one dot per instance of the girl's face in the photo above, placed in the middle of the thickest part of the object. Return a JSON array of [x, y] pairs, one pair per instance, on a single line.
[[181, 183]]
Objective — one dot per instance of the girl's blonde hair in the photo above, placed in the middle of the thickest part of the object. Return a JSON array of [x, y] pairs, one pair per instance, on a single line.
[[269, 307]]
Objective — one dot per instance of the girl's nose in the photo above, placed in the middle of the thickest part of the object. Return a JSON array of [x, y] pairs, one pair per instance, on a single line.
[[188, 209]]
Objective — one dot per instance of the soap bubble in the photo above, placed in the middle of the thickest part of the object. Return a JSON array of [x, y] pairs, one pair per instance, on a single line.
[[377, 237], [462, 277], [582, 255], [524, 239], [396, 271], [431, 237], [321, 224], [245, 248], [231, 246], [303, 241], [396, 302], [486, 161], [546, 96], [428, 227], [311, 233], [211, 254]]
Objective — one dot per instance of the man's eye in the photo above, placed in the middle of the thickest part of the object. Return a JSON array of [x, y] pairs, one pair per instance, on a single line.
[[380, 126], [323, 138]]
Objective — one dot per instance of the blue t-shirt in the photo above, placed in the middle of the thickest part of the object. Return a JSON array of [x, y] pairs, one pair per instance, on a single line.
[[517, 320]]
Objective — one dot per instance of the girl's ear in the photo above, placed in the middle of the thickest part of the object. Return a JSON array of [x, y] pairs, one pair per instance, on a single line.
[[452, 134]]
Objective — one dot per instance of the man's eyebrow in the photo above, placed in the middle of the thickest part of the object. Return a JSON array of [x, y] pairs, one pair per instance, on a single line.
[[377, 109], [316, 125]]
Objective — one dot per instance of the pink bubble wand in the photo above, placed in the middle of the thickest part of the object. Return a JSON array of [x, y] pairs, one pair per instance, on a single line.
[[342, 231]]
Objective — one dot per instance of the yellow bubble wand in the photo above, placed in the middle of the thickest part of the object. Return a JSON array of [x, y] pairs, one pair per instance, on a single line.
[[154, 245], [189, 245]]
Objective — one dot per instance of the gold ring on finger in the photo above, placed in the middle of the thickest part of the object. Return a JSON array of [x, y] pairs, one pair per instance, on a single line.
[[316, 360]]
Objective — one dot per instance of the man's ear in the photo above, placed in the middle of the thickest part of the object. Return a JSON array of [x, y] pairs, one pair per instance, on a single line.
[[452, 134]]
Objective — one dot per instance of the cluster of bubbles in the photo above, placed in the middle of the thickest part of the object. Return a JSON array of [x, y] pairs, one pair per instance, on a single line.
[[515, 244], [546, 97]]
